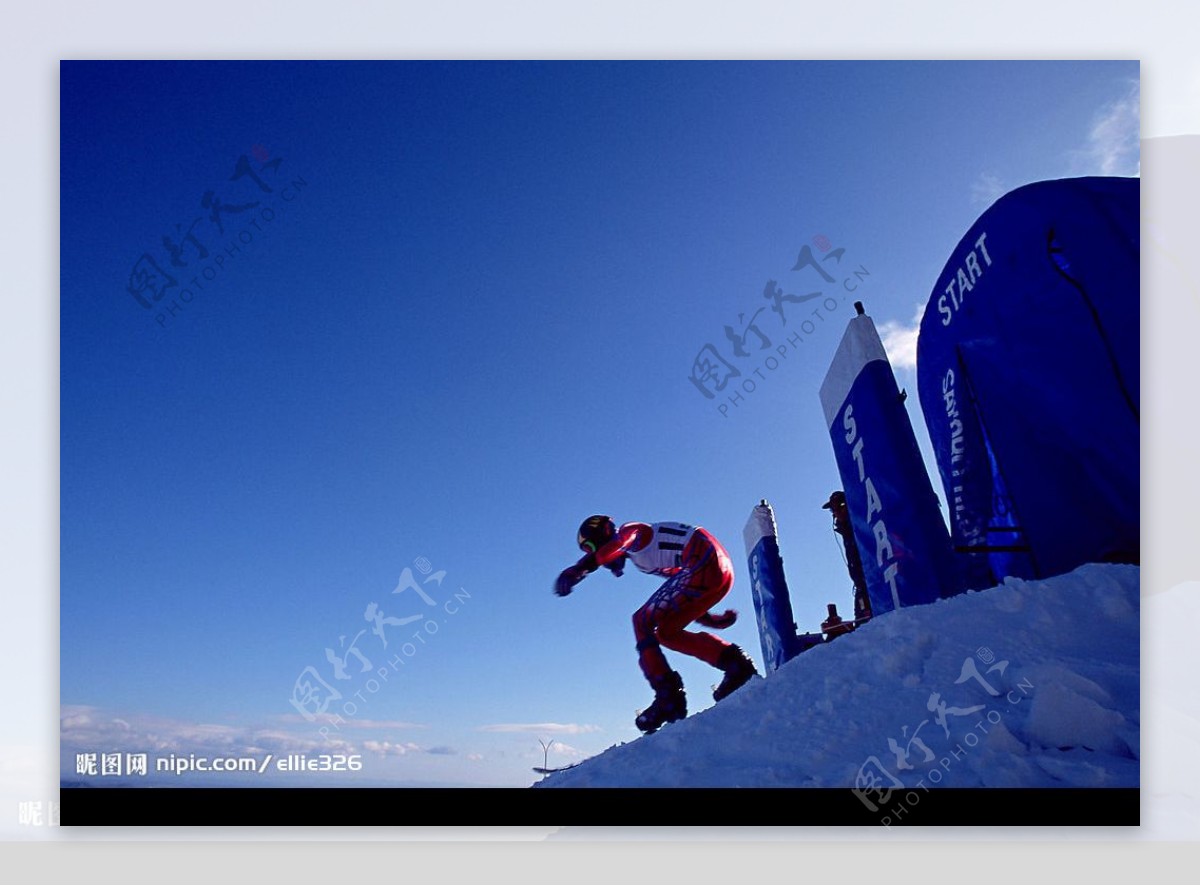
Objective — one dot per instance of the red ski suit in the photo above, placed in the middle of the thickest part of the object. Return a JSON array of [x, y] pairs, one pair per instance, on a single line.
[[698, 577]]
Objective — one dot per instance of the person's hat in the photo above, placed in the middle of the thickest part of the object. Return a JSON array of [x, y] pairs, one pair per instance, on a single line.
[[837, 498]]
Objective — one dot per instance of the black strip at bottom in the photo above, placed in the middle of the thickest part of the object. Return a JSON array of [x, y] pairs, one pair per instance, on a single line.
[[563, 807]]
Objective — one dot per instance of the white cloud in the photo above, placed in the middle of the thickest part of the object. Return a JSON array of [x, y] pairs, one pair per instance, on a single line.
[[543, 728], [205, 734], [987, 189], [900, 340], [353, 723], [1112, 146], [75, 716], [558, 747], [391, 749], [87, 729]]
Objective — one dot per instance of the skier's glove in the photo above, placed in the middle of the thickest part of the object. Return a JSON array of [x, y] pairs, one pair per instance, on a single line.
[[718, 620], [567, 579]]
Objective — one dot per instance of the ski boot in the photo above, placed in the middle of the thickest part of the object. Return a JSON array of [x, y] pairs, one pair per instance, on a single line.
[[669, 705], [738, 669]]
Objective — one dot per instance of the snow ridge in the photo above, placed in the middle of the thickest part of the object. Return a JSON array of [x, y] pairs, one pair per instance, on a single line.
[[1028, 684]]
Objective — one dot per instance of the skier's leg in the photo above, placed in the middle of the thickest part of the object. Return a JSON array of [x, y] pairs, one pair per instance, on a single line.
[[698, 644], [670, 701], [698, 589], [672, 627], [706, 579], [650, 657]]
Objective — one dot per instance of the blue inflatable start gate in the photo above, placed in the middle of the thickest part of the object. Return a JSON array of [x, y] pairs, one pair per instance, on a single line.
[[1027, 366]]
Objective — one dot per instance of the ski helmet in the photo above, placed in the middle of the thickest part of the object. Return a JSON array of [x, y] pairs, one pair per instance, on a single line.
[[595, 531]]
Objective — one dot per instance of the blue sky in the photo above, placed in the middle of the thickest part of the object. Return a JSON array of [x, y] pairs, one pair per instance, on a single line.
[[461, 320]]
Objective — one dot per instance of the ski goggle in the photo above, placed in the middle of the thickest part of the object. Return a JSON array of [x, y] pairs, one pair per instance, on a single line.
[[588, 546]]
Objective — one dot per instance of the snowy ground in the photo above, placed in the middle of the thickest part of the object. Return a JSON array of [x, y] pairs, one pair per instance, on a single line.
[[1029, 684]]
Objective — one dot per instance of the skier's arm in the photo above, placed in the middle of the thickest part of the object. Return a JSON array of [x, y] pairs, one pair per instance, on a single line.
[[567, 579], [629, 537], [718, 620]]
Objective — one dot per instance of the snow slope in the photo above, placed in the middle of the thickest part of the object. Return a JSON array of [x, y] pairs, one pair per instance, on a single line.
[[903, 700]]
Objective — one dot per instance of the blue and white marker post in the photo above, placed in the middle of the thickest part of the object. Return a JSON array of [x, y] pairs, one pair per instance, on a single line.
[[768, 588]]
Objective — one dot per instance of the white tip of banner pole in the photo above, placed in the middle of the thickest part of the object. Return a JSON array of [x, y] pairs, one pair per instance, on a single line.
[[760, 525], [859, 346]]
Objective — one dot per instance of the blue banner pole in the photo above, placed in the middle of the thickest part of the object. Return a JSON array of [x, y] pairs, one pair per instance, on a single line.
[[900, 534]]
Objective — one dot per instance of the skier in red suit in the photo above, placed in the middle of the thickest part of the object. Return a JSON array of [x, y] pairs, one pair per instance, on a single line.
[[698, 575]]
